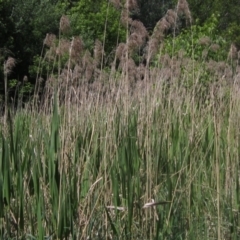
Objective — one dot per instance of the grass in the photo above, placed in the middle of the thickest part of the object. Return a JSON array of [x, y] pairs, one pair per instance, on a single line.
[[92, 176], [109, 156]]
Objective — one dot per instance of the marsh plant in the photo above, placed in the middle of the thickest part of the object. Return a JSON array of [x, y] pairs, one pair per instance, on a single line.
[[138, 143]]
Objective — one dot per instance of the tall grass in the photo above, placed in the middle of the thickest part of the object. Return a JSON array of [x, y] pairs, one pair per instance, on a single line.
[[109, 156], [165, 169]]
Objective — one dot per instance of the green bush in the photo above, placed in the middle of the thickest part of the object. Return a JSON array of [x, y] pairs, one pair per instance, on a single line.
[[199, 42], [97, 21]]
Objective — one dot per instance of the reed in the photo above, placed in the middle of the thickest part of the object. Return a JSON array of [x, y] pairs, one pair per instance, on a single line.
[[119, 153]]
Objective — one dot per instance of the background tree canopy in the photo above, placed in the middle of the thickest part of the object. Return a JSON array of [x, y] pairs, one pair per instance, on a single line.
[[24, 24]]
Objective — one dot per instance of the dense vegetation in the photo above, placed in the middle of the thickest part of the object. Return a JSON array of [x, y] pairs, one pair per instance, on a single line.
[[120, 120], [23, 25]]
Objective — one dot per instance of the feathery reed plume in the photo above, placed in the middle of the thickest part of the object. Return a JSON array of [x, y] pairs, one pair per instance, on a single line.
[[116, 3], [205, 41], [238, 55], [161, 28], [98, 52], [220, 70], [89, 72], [63, 47], [165, 24], [134, 41], [165, 60], [183, 10], [131, 5], [25, 78], [131, 69], [77, 48], [121, 51], [171, 17], [214, 47], [49, 40], [87, 59], [181, 54], [125, 19], [233, 53], [204, 53], [128, 66], [64, 25], [9, 64], [139, 28], [140, 72], [88, 65], [77, 73], [51, 53], [153, 45], [138, 35]]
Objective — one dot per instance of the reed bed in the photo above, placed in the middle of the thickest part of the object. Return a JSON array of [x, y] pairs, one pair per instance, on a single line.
[[157, 165], [129, 152]]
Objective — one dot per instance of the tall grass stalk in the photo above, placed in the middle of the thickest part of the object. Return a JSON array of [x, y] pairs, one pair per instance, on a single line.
[[96, 180], [111, 155]]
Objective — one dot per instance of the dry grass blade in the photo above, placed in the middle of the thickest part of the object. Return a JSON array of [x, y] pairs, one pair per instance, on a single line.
[[153, 204], [105, 143]]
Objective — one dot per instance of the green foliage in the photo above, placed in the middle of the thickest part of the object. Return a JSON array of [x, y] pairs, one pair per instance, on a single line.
[[43, 66], [23, 26], [233, 33], [26, 88], [150, 12], [229, 16], [189, 40], [6, 24], [98, 20]]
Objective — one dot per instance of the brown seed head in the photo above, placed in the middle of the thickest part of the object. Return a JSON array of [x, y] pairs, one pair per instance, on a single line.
[[221, 66], [183, 9], [204, 53], [98, 52], [140, 72], [25, 78], [40, 80], [153, 45], [171, 17], [125, 19], [77, 48], [116, 3], [163, 25], [204, 41], [212, 65], [63, 48], [49, 40], [233, 53], [131, 5], [89, 72], [9, 65], [87, 59], [64, 24], [165, 60], [139, 28], [121, 50], [181, 54], [134, 41], [214, 47]]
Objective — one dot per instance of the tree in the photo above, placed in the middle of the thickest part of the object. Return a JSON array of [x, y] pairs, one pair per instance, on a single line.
[[97, 20], [228, 13], [23, 26], [150, 12]]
